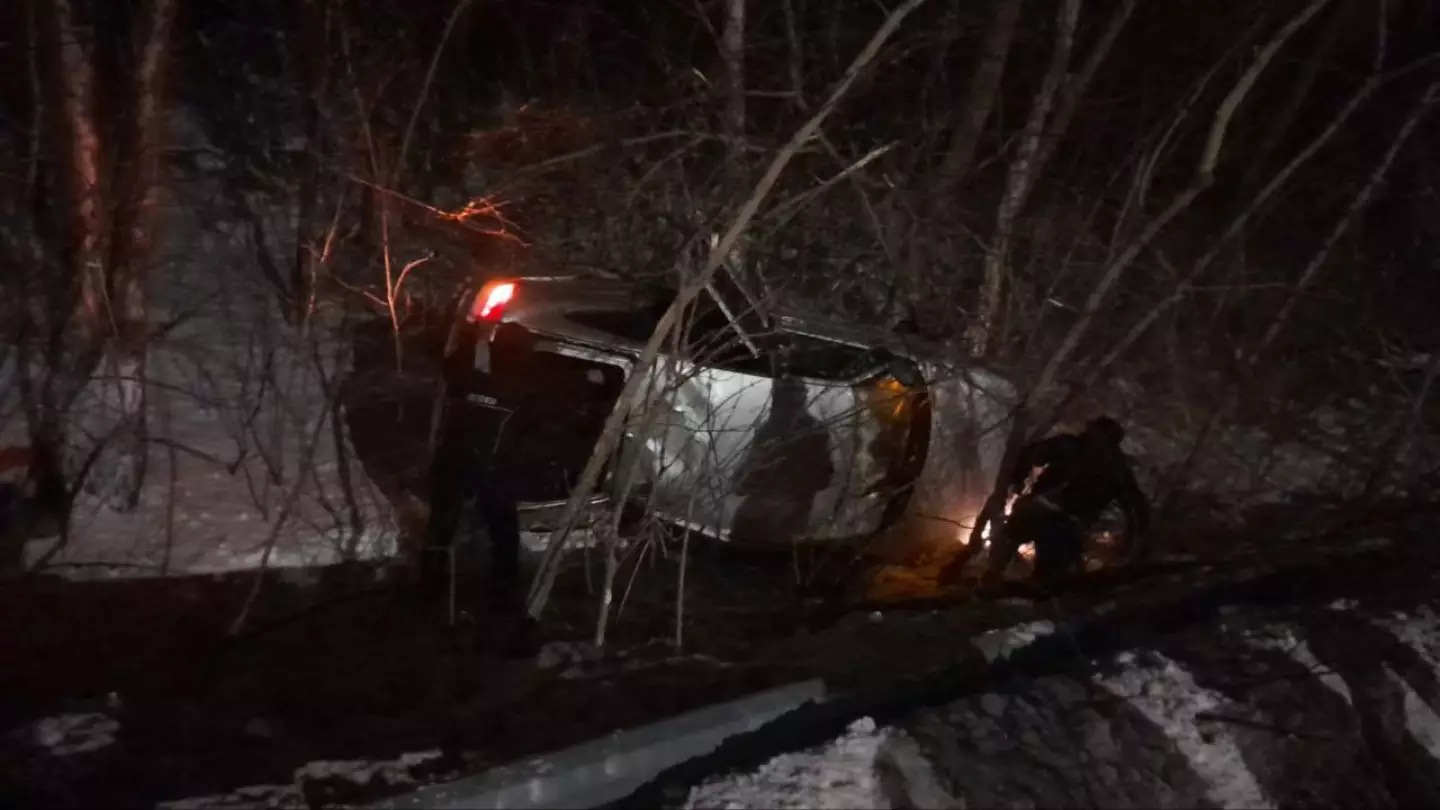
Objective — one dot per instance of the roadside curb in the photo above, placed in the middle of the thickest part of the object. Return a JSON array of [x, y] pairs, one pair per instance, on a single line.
[[610, 768]]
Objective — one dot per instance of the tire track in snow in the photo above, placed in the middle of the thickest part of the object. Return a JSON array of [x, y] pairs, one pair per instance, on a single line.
[[1283, 639], [1168, 696]]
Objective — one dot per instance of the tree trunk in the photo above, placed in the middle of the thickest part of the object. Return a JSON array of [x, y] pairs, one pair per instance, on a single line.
[[980, 95], [72, 83], [1024, 171], [75, 301], [121, 474], [110, 235], [302, 271], [732, 52]]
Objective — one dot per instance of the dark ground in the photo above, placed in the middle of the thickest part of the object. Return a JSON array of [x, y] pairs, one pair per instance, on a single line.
[[356, 668]]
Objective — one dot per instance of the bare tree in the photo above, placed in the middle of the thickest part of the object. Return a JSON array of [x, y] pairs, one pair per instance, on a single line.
[[610, 436], [980, 96], [110, 201], [1030, 415], [1021, 179], [732, 54]]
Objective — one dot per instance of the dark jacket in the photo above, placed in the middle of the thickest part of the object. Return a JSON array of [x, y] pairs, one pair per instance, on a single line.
[[1083, 477]]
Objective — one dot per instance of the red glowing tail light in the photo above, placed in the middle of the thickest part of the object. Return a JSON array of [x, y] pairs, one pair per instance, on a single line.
[[490, 303]]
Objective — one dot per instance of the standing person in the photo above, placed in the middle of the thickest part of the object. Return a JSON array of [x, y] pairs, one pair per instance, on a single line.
[[470, 491], [14, 477], [787, 465], [1079, 476]]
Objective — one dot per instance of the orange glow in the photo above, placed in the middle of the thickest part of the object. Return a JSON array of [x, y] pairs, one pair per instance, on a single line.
[[888, 399], [964, 534], [492, 300]]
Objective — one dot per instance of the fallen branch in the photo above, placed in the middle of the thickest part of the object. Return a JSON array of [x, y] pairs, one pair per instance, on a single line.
[[615, 423]]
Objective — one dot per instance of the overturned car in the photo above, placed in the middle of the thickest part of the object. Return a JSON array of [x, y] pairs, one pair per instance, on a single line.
[[754, 425]]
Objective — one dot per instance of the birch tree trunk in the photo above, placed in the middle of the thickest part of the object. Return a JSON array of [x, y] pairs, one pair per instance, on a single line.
[[732, 53], [1019, 181], [980, 95], [981, 92], [120, 469], [101, 346], [75, 299]]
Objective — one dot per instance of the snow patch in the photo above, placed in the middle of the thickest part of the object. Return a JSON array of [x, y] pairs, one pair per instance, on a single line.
[[1004, 642], [273, 797], [1169, 697], [1283, 639], [840, 774], [68, 734], [1420, 720], [380, 773], [364, 772], [1421, 632]]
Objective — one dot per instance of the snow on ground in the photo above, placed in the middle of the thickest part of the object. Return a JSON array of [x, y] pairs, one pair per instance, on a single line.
[[69, 734], [840, 774], [1167, 694], [272, 797], [238, 412], [326, 773], [1420, 720], [1329, 450], [1421, 632], [1005, 641], [1283, 639]]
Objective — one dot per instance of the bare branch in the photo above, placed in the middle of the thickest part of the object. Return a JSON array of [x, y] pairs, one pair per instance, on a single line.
[[1358, 204], [615, 423], [1216, 141], [1238, 224], [787, 209], [980, 96], [398, 170], [1073, 89]]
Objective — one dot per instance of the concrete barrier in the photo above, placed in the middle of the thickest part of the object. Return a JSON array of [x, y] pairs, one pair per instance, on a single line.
[[601, 771]]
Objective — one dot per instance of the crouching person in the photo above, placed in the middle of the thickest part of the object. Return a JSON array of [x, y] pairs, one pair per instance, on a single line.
[[1079, 475]]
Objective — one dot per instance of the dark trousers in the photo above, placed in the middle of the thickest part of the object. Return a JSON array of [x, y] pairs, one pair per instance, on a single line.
[[471, 505], [1059, 543], [12, 534]]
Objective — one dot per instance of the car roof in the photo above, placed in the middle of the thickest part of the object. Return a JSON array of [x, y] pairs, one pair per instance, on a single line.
[[789, 319]]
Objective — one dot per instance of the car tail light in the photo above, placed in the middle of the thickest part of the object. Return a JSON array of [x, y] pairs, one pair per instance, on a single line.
[[491, 302]]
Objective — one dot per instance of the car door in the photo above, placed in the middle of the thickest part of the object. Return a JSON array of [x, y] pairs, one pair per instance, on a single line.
[[698, 407], [771, 447]]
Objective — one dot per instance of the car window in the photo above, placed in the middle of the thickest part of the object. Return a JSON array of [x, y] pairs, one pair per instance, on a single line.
[[712, 337], [821, 359]]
